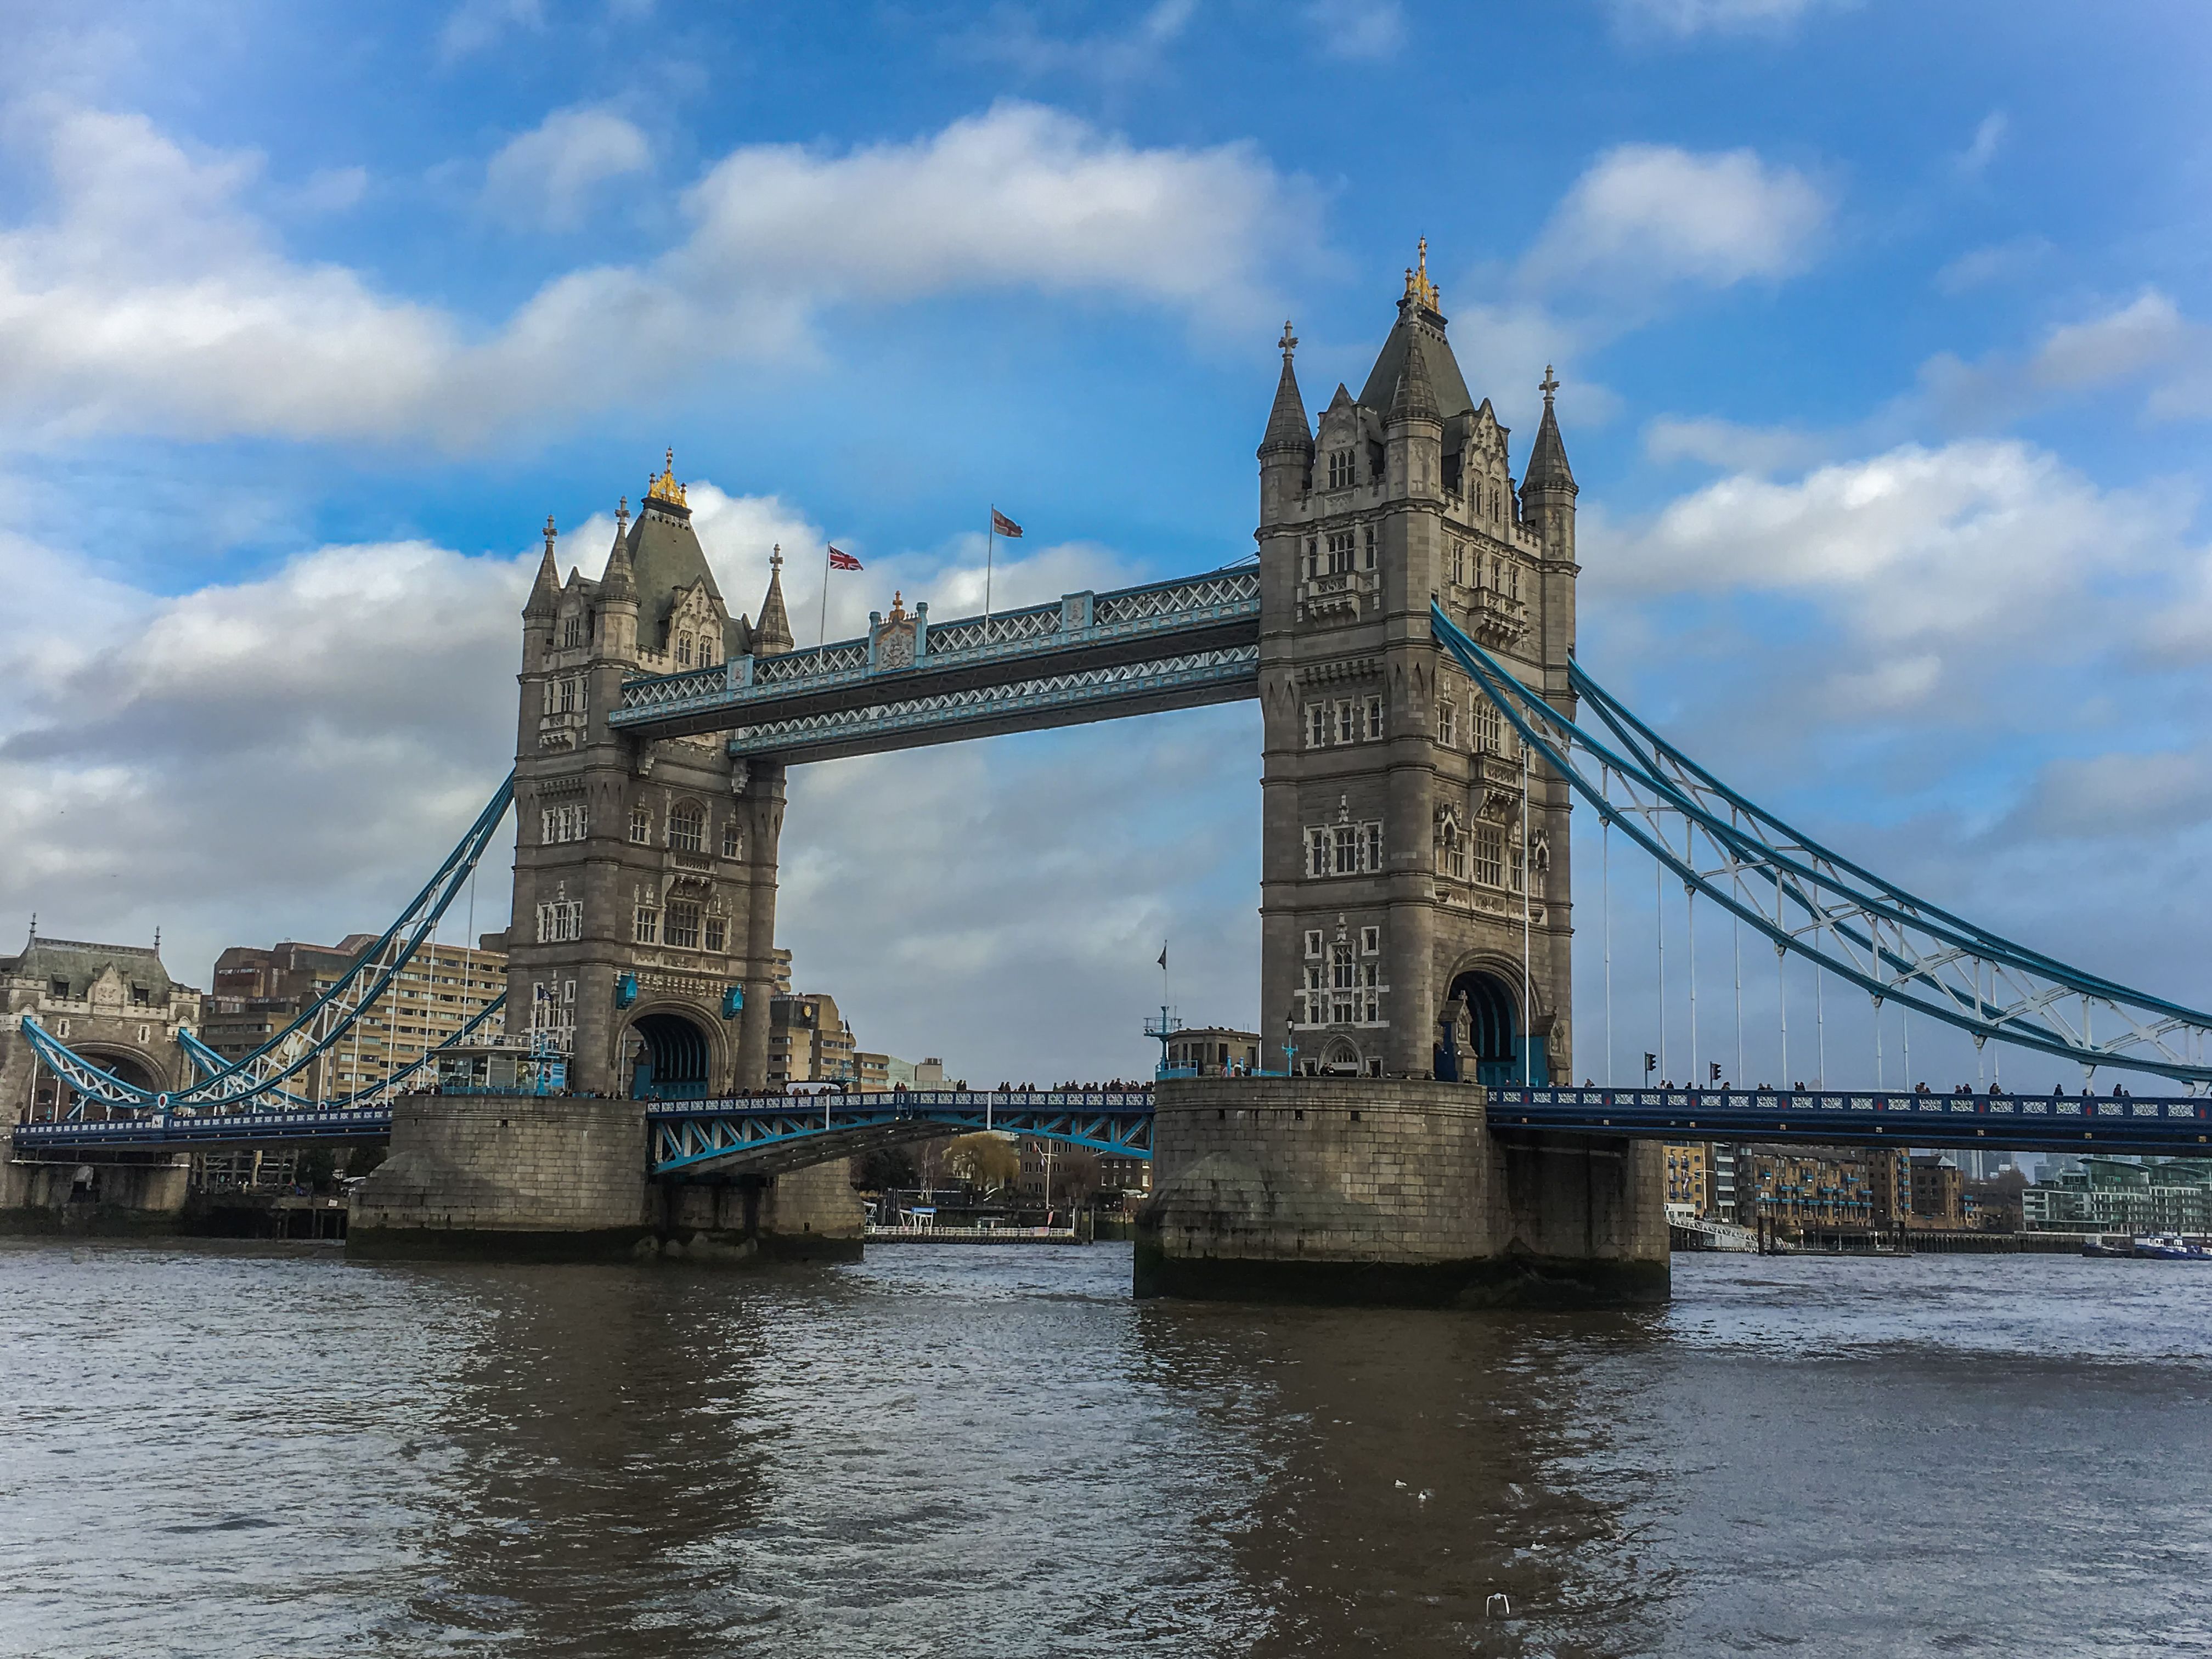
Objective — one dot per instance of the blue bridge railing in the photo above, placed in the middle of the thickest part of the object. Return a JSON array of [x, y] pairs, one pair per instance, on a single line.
[[2176, 1127]]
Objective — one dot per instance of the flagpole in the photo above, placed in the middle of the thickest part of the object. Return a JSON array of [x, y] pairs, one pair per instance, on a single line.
[[821, 628], [990, 547]]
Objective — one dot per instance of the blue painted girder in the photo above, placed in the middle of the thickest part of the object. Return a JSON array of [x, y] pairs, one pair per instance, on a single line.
[[2173, 1126], [765, 1137], [207, 1129]]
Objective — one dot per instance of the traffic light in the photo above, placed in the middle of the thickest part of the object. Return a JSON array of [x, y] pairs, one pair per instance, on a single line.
[[1714, 1071], [1650, 1063]]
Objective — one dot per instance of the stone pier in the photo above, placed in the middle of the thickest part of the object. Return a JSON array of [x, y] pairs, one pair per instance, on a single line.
[[1390, 1191], [106, 1193], [563, 1177]]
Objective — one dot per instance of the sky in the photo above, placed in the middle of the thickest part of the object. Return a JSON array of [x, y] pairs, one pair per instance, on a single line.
[[1884, 334]]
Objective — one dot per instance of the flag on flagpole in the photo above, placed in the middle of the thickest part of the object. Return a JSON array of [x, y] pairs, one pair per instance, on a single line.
[[1003, 524], [1163, 955], [840, 560]]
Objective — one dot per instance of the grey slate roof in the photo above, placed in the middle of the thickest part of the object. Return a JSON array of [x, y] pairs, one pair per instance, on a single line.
[[1448, 384], [81, 962]]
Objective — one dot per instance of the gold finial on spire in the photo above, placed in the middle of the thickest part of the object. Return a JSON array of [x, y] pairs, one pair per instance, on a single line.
[[665, 487], [1418, 288], [898, 606]]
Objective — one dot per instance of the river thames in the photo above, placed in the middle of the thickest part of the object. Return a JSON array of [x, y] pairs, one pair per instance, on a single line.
[[246, 1449]]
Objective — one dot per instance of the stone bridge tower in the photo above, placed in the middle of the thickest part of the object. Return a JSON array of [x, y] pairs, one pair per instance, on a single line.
[[1402, 868], [645, 870]]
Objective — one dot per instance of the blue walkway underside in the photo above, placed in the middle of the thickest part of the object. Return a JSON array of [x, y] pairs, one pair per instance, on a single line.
[[698, 1139]]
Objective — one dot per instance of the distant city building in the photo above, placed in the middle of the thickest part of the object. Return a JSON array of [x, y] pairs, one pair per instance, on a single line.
[[115, 1005], [915, 1074], [1832, 1186], [809, 1042], [1938, 1190], [2120, 1195], [1689, 1176], [1214, 1051], [260, 990]]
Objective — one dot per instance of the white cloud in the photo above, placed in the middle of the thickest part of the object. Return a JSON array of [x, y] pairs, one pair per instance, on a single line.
[[331, 190], [1749, 449], [2158, 792], [1989, 139], [475, 25], [150, 300], [2146, 342], [1911, 550], [1997, 261], [1134, 53], [1684, 18], [547, 177], [1645, 214], [1360, 30]]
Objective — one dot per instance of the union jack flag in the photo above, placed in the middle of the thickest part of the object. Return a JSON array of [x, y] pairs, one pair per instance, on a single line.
[[841, 561], [1003, 524]]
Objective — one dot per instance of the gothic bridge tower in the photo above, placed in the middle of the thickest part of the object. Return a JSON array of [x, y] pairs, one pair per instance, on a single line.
[[1406, 876], [645, 869]]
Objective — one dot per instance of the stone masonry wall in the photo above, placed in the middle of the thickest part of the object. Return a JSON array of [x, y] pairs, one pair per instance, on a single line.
[[1389, 1190], [515, 1164]]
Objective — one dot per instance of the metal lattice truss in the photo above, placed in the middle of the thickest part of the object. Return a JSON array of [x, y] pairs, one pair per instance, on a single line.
[[1200, 677], [1808, 900], [1101, 624], [207, 1062], [255, 1083], [749, 1137]]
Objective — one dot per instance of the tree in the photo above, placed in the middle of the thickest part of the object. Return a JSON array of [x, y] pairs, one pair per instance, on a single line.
[[984, 1160], [884, 1168], [1075, 1176]]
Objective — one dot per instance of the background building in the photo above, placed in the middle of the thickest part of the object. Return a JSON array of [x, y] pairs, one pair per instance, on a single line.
[[1828, 1186], [1214, 1051], [2120, 1195], [1937, 1190], [258, 991], [1689, 1177], [809, 1042], [114, 1004]]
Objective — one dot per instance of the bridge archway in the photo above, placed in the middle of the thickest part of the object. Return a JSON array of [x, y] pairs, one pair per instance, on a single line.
[[53, 1096], [671, 1054], [1496, 1040]]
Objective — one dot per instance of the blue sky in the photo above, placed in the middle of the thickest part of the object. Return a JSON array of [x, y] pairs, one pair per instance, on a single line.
[[1880, 329]]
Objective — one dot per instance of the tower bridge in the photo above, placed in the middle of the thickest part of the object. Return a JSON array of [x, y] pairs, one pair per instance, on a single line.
[[1407, 627]]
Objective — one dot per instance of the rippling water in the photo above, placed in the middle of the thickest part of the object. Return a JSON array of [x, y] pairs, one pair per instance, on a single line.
[[992, 1451]]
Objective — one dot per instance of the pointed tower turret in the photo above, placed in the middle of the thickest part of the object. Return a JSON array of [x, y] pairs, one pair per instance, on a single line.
[[618, 594], [1286, 452], [1287, 429], [772, 636], [545, 592], [1547, 490], [1415, 396]]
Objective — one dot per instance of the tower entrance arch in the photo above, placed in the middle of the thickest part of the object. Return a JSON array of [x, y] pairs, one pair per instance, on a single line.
[[670, 1057]]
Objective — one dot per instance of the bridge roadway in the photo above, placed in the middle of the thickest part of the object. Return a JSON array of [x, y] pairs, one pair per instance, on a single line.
[[1175, 644], [691, 1138]]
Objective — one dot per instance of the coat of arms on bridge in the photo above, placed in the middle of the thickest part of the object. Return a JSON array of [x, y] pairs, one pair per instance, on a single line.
[[895, 638]]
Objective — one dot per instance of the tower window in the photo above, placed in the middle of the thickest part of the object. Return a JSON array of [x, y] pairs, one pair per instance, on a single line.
[[1313, 941], [1489, 855], [718, 933], [684, 923], [1316, 726], [733, 846], [640, 826], [1451, 852], [1317, 859], [1339, 469], [683, 651], [1488, 727], [1367, 539], [572, 631], [1375, 717], [1313, 557], [645, 929], [1351, 720], [1448, 721], [1370, 941], [1339, 552], [687, 828]]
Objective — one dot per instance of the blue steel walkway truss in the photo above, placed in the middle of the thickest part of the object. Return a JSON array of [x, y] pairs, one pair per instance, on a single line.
[[697, 1138]]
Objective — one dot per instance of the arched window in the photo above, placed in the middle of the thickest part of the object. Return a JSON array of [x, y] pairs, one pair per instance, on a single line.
[[683, 651], [733, 845], [687, 827]]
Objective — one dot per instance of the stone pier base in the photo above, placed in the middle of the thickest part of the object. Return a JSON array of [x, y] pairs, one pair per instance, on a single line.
[[1359, 1190], [134, 1192], [558, 1177]]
